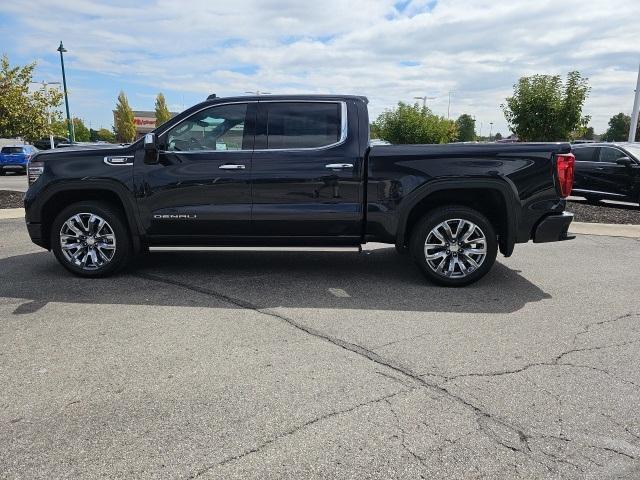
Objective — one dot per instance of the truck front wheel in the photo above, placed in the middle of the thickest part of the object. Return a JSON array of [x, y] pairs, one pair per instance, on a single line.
[[454, 246], [90, 239]]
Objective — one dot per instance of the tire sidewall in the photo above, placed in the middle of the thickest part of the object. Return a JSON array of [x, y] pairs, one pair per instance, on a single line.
[[432, 219], [115, 220]]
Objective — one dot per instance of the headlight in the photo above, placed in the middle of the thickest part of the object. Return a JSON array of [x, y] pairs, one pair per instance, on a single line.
[[35, 169]]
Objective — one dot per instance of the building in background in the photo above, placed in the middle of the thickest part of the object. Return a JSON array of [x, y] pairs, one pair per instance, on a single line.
[[143, 120]]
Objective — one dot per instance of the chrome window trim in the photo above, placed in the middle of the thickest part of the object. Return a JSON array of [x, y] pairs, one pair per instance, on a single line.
[[344, 128]]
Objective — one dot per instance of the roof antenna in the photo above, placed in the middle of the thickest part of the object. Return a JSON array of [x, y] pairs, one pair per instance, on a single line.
[[212, 96]]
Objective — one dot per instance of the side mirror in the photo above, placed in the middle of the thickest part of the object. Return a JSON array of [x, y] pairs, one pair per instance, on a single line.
[[150, 149], [626, 161]]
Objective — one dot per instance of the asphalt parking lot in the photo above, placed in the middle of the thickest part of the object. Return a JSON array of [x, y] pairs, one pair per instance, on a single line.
[[321, 365]]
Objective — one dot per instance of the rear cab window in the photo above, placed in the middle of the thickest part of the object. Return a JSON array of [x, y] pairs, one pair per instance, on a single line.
[[10, 150], [299, 125]]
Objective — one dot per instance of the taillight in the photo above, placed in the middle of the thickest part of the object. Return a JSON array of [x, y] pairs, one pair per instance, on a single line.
[[565, 164], [35, 169]]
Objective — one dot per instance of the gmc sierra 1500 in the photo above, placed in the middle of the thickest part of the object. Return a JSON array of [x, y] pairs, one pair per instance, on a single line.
[[296, 170]]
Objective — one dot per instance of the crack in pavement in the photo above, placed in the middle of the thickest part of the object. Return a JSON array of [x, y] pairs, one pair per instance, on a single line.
[[483, 416], [352, 347], [294, 430]]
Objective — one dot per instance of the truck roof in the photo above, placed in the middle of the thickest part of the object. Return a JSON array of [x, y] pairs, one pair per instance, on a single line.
[[269, 97]]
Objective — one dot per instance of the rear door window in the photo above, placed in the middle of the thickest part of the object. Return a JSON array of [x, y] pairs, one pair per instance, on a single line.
[[584, 154], [293, 125]]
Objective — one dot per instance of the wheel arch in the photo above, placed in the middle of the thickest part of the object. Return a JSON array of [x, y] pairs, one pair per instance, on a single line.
[[57, 197], [494, 198]]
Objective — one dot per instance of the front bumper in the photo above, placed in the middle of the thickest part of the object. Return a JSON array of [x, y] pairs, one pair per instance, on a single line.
[[553, 228]]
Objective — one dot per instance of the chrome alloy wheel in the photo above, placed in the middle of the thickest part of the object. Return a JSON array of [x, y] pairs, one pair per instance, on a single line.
[[455, 248], [87, 241]]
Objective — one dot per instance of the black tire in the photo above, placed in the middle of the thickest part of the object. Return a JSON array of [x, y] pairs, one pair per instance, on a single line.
[[423, 232], [115, 221]]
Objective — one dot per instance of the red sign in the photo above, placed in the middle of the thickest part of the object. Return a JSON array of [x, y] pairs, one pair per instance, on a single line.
[[144, 121]]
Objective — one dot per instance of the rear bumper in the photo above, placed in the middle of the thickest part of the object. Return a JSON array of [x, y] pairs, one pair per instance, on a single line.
[[553, 228], [14, 167]]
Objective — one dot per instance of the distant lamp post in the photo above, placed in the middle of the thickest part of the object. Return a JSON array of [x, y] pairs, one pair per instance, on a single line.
[[490, 130], [424, 100], [46, 93], [61, 49], [449, 103]]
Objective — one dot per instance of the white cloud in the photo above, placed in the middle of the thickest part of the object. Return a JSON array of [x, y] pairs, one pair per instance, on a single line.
[[478, 48]]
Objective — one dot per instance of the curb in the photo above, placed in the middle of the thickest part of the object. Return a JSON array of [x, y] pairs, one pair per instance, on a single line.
[[581, 228], [6, 213], [606, 229]]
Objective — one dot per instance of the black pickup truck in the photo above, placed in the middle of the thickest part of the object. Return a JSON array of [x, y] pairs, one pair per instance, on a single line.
[[296, 171]]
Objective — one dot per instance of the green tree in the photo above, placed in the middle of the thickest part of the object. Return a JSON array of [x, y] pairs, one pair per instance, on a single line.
[[498, 136], [80, 130], [466, 128], [618, 130], [543, 108], [588, 134], [24, 113], [162, 111], [414, 124], [124, 127], [105, 135]]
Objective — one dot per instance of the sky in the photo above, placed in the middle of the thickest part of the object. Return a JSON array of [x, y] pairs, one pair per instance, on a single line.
[[387, 50]]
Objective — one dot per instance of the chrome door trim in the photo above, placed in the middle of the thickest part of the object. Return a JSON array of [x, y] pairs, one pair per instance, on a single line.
[[111, 160]]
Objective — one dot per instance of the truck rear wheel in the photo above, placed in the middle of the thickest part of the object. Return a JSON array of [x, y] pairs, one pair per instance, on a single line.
[[90, 239], [454, 246]]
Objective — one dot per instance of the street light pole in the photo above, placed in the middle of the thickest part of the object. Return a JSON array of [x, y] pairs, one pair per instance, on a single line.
[[424, 100], [449, 103], [634, 115], [61, 49], [490, 130], [46, 94]]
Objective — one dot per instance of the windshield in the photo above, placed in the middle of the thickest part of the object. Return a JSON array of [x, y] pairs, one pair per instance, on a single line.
[[634, 150], [11, 150]]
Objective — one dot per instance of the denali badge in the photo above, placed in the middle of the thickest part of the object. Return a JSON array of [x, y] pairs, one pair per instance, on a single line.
[[181, 216]]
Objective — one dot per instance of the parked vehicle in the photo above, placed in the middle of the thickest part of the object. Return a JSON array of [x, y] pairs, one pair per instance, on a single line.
[[607, 171], [15, 158], [296, 170], [45, 143]]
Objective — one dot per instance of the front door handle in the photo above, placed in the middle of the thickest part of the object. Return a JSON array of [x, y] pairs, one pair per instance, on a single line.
[[339, 166], [231, 166]]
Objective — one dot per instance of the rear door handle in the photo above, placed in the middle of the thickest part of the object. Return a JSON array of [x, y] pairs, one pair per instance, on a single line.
[[338, 166], [231, 166]]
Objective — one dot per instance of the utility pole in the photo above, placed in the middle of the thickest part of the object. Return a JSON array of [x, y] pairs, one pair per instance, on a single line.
[[449, 104], [634, 114], [61, 49], [46, 94], [424, 100], [490, 130]]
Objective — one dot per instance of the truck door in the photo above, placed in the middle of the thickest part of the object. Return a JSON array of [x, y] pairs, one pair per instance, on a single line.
[[200, 189], [307, 172]]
